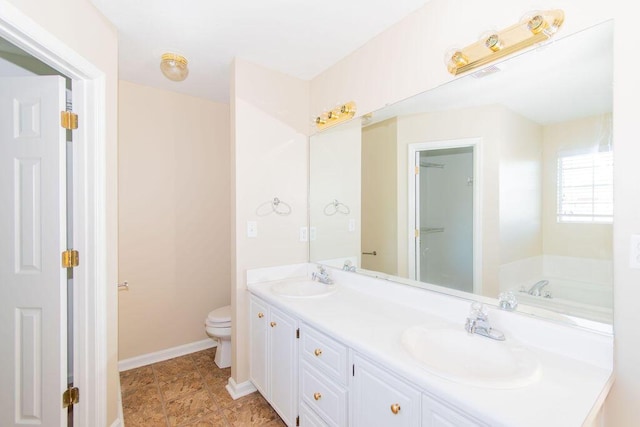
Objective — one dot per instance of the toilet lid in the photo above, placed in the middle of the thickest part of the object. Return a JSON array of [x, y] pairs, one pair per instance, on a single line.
[[220, 317]]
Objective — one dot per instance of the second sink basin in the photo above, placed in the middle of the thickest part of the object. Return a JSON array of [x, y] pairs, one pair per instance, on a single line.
[[450, 352], [302, 289]]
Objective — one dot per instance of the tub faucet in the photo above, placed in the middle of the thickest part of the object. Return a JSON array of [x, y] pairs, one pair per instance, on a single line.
[[536, 290], [478, 323], [322, 276]]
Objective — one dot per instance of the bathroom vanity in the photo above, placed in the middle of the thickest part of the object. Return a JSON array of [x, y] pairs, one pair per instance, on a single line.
[[368, 352]]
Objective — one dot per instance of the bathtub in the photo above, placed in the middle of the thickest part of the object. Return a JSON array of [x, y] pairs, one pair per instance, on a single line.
[[593, 301]]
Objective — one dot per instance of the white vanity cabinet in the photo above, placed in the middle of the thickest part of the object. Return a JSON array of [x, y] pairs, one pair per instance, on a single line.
[[437, 414], [274, 357], [323, 379], [379, 398]]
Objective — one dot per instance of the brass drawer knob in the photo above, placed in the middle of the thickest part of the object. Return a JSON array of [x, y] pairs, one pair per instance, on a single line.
[[317, 396], [260, 315], [273, 324], [318, 352], [395, 408]]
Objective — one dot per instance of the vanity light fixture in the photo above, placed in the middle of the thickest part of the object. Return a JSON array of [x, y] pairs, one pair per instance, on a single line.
[[534, 28], [174, 67], [338, 115]]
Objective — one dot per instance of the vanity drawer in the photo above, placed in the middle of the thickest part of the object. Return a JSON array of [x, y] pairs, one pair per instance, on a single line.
[[323, 395], [324, 354], [308, 418]]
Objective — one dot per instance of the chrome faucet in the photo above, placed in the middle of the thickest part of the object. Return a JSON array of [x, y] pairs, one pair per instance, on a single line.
[[348, 266], [322, 276], [536, 289], [478, 323]]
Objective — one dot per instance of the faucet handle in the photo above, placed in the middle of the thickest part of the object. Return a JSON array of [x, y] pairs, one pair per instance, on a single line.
[[478, 311], [470, 325], [507, 301]]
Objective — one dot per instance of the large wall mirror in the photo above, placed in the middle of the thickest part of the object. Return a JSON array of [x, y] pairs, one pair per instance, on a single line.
[[499, 182]]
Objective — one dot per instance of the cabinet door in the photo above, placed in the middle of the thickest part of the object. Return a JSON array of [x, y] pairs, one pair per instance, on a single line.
[[436, 414], [381, 399], [258, 350], [283, 365]]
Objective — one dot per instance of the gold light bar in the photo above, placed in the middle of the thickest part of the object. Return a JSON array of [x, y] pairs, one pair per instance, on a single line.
[[337, 115], [536, 28]]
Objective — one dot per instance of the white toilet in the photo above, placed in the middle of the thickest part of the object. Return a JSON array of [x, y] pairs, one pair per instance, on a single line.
[[218, 327]]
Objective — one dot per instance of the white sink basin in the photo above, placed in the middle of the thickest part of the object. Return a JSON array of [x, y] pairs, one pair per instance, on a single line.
[[302, 289], [450, 352]]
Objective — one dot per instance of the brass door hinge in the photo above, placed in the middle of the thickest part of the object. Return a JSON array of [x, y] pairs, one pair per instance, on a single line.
[[298, 420], [70, 258], [417, 170], [70, 397], [68, 120], [298, 333], [417, 232]]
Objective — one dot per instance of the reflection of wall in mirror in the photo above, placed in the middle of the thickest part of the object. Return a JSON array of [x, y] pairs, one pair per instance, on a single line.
[[335, 168], [577, 253], [484, 122], [583, 240], [520, 184], [379, 195]]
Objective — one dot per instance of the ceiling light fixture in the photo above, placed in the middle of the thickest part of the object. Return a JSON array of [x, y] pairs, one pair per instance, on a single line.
[[174, 67]]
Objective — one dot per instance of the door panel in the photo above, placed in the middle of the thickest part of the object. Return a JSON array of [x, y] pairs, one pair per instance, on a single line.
[[33, 235]]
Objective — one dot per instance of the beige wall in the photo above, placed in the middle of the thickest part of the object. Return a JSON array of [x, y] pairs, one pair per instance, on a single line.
[[520, 188], [408, 58], [341, 182], [621, 408], [79, 25], [269, 150], [379, 197], [174, 216], [578, 240]]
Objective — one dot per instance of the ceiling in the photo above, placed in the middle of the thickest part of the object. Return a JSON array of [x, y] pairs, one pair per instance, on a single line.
[[296, 37]]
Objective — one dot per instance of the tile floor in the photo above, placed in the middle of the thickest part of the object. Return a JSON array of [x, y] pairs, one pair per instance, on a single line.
[[189, 391]]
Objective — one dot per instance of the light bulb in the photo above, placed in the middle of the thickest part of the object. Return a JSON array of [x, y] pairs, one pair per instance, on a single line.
[[174, 67]]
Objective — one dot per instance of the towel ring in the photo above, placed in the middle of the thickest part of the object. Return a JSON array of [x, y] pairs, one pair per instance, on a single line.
[[336, 207], [276, 206]]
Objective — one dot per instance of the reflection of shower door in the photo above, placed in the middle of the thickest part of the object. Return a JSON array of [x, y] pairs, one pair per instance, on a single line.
[[444, 217]]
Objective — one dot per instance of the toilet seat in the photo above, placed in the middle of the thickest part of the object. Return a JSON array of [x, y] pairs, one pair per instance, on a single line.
[[220, 317]]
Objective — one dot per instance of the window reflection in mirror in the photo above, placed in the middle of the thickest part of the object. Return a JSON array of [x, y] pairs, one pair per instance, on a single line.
[[543, 176]]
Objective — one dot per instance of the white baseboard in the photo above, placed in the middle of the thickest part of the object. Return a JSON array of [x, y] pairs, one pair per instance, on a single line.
[[119, 422], [238, 390], [169, 353]]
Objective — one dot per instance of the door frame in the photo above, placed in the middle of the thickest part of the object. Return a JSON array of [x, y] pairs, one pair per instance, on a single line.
[[90, 235], [413, 149]]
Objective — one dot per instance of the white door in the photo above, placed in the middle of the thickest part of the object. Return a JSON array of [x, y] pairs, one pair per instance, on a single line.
[[32, 237]]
